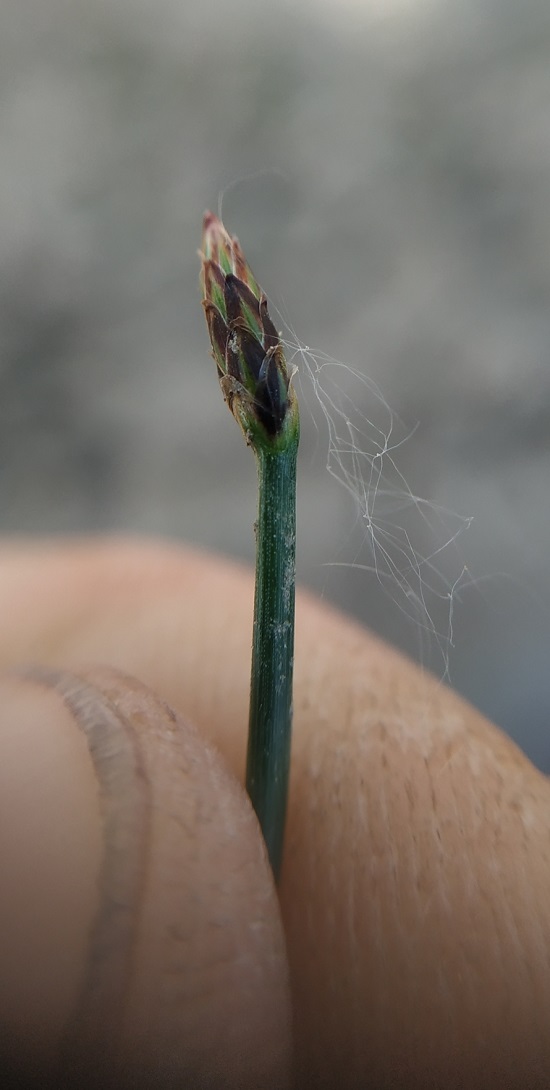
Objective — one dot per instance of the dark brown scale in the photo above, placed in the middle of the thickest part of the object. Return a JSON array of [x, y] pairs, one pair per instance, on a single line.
[[232, 298], [216, 327], [247, 297], [252, 352], [271, 397], [237, 295], [271, 337]]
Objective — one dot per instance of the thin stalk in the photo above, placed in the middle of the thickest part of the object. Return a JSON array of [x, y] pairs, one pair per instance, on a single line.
[[269, 736], [257, 386]]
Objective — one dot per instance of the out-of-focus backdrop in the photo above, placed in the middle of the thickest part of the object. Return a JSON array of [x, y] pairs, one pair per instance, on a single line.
[[386, 166]]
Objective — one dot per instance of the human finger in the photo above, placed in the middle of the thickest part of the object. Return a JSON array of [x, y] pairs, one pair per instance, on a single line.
[[416, 875], [140, 935]]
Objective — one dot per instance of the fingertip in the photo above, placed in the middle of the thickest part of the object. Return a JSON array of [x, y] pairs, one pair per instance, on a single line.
[[49, 824], [141, 930]]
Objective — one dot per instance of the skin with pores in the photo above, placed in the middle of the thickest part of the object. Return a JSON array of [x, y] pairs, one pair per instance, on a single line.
[[409, 941]]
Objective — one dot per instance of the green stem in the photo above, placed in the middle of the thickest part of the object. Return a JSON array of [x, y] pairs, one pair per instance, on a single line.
[[268, 757]]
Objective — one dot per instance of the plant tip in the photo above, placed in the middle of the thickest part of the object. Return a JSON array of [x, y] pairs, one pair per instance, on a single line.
[[246, 346]]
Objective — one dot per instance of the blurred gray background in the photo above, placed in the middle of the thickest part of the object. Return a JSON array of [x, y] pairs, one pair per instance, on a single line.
[[386, 166]]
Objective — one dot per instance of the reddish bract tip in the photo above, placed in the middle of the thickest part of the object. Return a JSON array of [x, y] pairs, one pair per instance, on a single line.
[[215, 238]]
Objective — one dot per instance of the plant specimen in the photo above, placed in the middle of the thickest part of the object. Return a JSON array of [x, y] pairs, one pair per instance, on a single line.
[[256, 384]]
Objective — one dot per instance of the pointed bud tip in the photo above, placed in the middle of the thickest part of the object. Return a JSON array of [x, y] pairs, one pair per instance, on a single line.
[[212, 224], [245, 343], [214, 234]]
